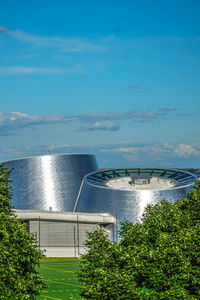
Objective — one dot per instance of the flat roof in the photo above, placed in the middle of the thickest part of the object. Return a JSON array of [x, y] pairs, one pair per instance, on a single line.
[[49, 154], [65, 216]]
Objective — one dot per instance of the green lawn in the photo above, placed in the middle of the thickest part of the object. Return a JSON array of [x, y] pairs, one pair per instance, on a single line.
[[61, 278]]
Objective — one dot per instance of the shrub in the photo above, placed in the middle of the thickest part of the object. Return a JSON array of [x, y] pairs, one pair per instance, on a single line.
[[19, 254], [156, 259]]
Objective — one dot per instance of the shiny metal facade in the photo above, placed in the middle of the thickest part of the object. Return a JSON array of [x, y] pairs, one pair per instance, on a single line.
[[96, 196], [49, 182]]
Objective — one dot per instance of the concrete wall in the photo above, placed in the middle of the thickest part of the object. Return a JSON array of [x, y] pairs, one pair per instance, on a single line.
[[63, 234], [64, 251], [62, 239]]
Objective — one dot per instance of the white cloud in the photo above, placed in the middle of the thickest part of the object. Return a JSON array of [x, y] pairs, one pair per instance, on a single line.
[[137, 116], [128, 150], [185, 150], [16, 120], [177, 150], [3, 29], [105, 126], [64, 44], [89, 122], [17, 70], [53, 147]]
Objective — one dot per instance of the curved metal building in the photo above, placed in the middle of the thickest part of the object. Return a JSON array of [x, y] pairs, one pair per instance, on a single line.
[[49, 182], [124, 193]]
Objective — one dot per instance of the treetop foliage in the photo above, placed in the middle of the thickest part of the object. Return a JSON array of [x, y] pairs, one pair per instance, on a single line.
[[156, 259], [5, 190], [19, 254]]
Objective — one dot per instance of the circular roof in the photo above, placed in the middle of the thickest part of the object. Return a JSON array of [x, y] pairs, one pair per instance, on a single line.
[[140, 178]]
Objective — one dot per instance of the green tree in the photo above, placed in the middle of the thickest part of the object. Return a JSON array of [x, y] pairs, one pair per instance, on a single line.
[[19, 255], [156, 259]]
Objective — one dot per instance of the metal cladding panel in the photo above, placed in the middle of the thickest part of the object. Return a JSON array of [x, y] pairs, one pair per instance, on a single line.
[[60, 234], [49, 181], [124, 204]]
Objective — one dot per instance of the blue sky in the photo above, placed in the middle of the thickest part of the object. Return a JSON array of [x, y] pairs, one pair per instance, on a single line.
[[119, 79]]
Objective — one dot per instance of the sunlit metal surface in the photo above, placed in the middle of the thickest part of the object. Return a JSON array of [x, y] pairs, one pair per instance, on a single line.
[[128, 203], [49, 182]]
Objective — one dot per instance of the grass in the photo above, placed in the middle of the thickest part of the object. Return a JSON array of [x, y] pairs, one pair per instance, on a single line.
[[61, 278]]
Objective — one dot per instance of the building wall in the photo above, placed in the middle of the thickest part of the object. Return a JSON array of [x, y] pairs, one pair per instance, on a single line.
[[124, 205], [62, 239], [63, 234], [49, 182]]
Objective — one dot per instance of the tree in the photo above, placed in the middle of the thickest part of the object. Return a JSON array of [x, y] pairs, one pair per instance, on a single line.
[[156, 259], [19, 254]]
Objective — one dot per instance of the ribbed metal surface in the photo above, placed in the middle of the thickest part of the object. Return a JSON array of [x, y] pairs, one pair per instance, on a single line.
[[60, 234], [49, 181], [95, 196]]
